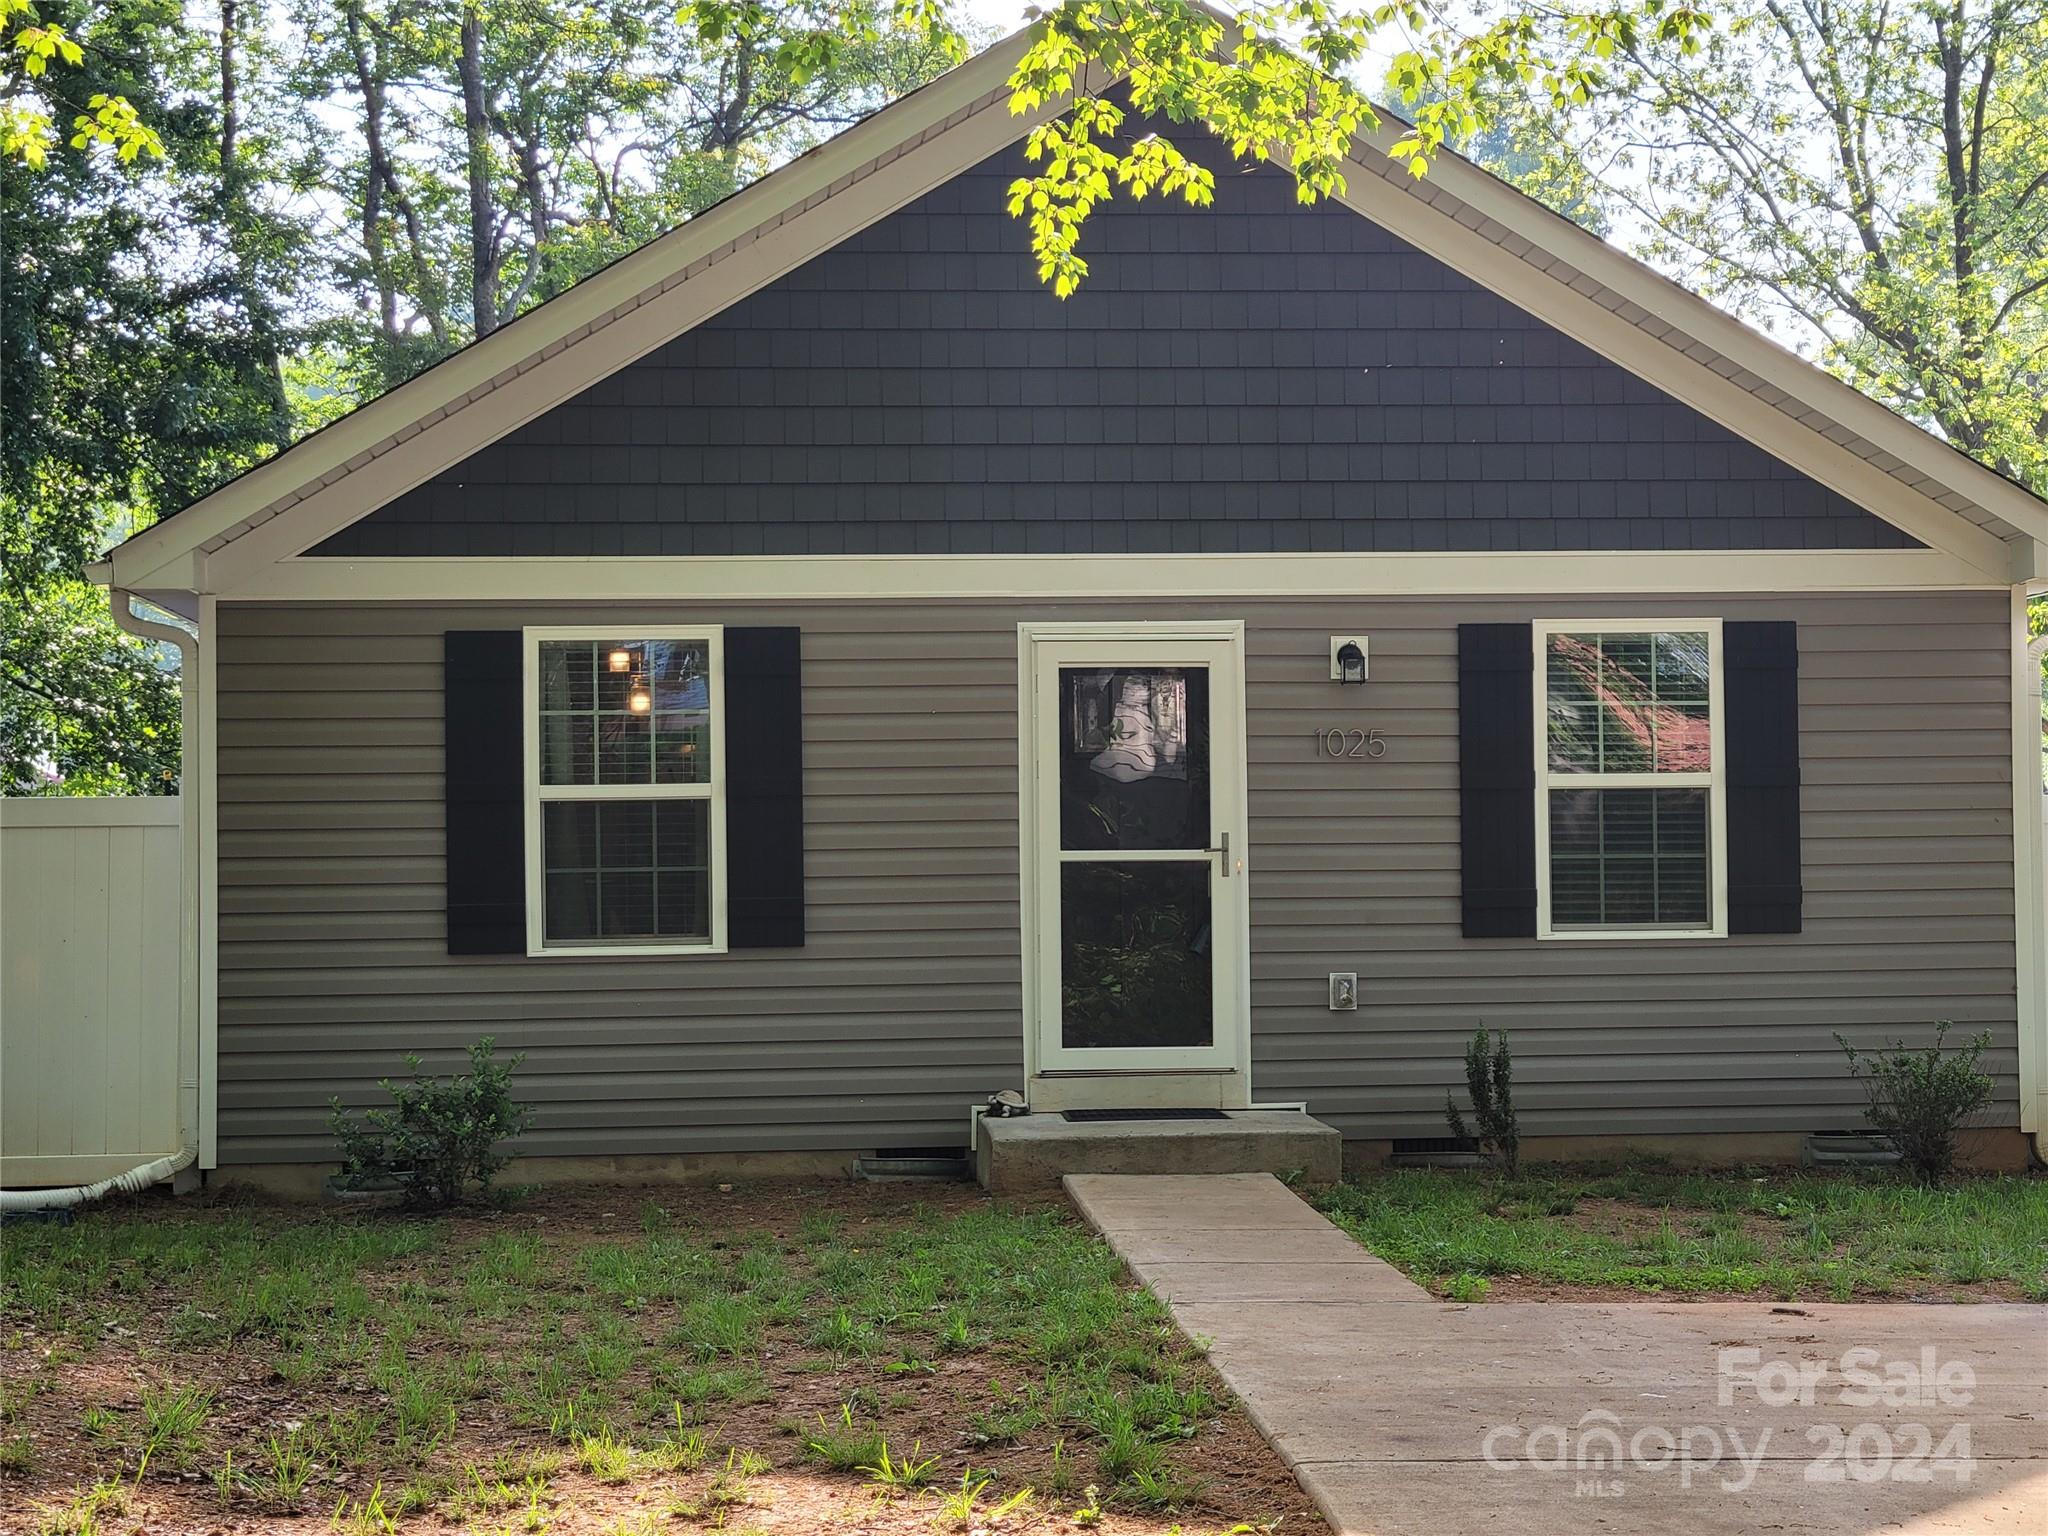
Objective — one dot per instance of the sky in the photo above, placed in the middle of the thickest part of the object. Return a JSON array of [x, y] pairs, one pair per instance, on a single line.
[[1006, 16]]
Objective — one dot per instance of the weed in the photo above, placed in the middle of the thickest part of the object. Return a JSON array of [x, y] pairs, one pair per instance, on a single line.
[[102, 1424], [1021, 1499], [732, 1484], [845, 1446], [1467, 1287], [1125, 1453], [172, 1421], [425, 1412], [290, 1467], [719, 1326], [684, 1450], [900, 1472], [81, 1517], [17, 1457], [428, 1491], [367, 1517], [1489, 1080], [605, 1458], [227, 1482], [1060, 1480], [345, 1436], [702, 1384], [844, 1334], [1159, 1488], [1091, 1507], [959, 1506]]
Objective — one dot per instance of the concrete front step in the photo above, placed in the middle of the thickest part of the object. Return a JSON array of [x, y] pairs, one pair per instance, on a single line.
[[1030, 1154]]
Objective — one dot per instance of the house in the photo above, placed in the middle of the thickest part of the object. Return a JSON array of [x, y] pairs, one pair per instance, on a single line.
[[807, 677]]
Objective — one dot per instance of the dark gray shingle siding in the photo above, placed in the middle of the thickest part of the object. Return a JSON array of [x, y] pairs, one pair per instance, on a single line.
[[1255, 376]]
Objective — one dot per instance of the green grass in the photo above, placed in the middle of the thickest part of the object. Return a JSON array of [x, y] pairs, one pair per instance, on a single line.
[[627, 1354], [1645, 1229]]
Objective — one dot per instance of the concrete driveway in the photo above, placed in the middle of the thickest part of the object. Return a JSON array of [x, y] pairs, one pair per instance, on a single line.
[[1400, 1413]]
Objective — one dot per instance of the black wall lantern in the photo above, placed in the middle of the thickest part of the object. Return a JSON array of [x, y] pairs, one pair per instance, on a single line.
[[1347, 658]]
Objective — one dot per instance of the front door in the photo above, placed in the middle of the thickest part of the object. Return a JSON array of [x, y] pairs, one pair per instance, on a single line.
[[1135, 916]]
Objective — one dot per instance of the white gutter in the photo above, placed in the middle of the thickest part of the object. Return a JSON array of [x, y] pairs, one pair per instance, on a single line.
[[137, 1179]]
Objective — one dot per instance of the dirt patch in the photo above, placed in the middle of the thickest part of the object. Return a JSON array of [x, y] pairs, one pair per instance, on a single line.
[[946, 1409]]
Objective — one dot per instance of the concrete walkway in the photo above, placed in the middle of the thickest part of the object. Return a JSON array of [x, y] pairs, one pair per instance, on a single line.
[[1402, 1414]]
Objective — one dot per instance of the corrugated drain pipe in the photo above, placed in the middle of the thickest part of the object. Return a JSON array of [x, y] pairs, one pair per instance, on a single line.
[[137, 1179]]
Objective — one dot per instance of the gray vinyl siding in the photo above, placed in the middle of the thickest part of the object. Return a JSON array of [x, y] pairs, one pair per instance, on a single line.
[[904, 1007], [1253, 376]]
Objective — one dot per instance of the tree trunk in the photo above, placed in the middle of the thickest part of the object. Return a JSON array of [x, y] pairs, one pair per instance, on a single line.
[[382, 181], [240, 224], [476, 118]]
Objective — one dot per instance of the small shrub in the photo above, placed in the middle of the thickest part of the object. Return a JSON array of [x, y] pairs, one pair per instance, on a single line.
[[1922, 1099], [439, 1137], [1489, 1079]]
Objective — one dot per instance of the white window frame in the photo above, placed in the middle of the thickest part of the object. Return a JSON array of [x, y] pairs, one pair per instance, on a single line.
[[536, 793], [1714, 781]]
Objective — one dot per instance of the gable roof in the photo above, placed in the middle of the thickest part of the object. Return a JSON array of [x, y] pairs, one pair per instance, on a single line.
[[1476, 223]]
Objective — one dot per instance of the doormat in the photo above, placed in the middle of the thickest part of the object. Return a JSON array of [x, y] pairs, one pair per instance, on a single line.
[[1144, 1114]]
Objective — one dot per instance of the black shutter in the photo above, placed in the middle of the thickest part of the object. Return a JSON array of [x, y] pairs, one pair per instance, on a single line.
[[1760, 695], [764, 789], [1497, 780], [482, 701]]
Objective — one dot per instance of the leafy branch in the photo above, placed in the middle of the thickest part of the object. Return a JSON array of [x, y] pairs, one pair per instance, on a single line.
[[27, 100]]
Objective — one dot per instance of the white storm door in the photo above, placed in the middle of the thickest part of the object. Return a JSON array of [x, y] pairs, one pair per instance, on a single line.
[[1137, 922]]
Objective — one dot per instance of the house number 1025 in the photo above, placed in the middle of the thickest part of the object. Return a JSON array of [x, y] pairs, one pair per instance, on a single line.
[[1339, 742]]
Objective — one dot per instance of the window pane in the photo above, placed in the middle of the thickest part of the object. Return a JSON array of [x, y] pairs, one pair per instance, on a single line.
[[1628, 858], [623, 746], [682, 747], [568, 749], [567, 677], [1134, 758], [1628, 703], [625, 711], [627, 870], [1136, 967]]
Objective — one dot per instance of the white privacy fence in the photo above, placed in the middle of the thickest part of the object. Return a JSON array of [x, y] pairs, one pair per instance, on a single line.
[[94, 1048]]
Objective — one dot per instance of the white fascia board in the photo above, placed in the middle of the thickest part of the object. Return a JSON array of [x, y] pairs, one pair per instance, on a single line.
[[569, 324], [746, 578], [1747, 348]]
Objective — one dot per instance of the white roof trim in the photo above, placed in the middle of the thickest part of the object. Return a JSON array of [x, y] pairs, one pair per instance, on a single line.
[[1478, 224], [800, 578]]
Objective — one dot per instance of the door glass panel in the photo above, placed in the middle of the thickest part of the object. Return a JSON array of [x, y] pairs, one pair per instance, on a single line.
[[1134, 758], [1136, 965]]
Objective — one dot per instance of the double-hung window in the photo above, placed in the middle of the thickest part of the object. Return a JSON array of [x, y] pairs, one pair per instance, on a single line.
[[1630, 829], [625, 793]]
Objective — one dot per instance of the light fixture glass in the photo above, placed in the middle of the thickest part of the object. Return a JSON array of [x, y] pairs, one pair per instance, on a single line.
[[639, 702], [621, 661]]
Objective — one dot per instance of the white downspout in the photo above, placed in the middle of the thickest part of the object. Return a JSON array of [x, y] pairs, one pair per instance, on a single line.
[[135, 1180]]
